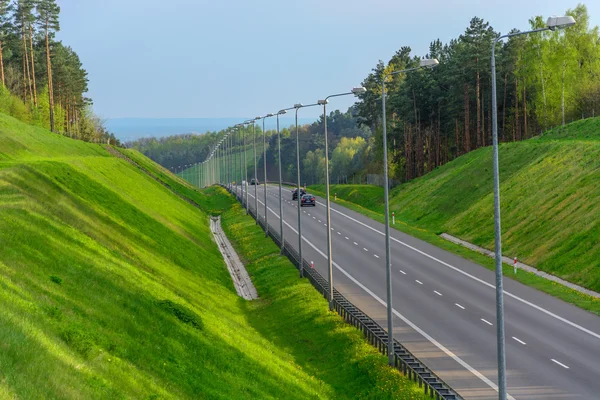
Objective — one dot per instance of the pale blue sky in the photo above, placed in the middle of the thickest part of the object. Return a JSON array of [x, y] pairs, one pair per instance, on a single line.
[[239, 58]]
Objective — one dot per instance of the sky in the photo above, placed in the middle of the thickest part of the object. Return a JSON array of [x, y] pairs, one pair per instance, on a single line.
[[242, 58]]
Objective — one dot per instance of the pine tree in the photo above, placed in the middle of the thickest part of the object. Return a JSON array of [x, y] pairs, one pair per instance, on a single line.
[[47, 19], [5, 10]]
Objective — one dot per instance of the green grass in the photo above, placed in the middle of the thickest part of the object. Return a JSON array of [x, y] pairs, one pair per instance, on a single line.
[[112, 287], [550, 187]]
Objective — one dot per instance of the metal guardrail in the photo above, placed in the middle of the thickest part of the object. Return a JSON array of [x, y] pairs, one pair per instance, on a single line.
[[404, 360]]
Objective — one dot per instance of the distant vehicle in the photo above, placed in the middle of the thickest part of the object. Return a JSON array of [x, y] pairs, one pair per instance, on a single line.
[[295, 193], [254, 182], [308, 200]]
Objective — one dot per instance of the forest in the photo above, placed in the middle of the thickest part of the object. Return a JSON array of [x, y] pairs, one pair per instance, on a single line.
[[43, 80], [435, 115]]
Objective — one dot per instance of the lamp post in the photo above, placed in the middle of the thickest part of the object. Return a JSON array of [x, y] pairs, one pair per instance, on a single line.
[[298, 107], [552, 24], [246, 165], [255, 173], [354, 91], [265, 170], [280, 112], [388, 261], [242, 153]]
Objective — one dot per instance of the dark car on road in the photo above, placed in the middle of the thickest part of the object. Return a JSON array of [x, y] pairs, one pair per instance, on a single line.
[[308, 200], [295, 193], [254, 182]]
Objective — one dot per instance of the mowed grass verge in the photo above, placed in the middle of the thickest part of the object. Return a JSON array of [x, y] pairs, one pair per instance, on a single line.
[[112, 287], [550, 187]]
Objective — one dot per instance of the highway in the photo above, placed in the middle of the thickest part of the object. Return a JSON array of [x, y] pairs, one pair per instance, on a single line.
[[444, 307]]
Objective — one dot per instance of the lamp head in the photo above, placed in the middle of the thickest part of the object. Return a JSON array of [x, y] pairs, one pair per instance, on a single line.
[[322, 102], [268, 115], [429, 63], [555, 23], [281, 112], [358, 90]]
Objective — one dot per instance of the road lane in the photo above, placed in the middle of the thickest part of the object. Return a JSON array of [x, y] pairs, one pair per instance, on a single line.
[[464, 331]]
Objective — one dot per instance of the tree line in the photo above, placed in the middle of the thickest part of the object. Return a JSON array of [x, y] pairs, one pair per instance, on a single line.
[[544, 79], [42, 80], [436, 115]]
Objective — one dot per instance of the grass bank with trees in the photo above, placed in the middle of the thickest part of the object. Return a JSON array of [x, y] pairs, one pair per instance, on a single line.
[[550, 187], [112, 287]]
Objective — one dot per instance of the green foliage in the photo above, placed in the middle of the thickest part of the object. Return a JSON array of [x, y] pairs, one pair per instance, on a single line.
[[140, 274], [181, 313], [549, 214], [56, 279]]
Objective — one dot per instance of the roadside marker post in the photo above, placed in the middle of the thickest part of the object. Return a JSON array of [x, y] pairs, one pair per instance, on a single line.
[[335, 197], [515, 266], [393, 218], [312, 265]]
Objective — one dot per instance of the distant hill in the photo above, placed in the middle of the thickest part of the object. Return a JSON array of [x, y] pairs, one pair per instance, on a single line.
[[129, 129]]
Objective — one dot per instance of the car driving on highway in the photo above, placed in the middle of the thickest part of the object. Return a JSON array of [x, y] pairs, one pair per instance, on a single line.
[[254, 182], [295, 193], [307, 200]]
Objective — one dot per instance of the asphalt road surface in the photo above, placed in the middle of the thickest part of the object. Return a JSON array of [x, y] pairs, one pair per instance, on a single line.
[[444, 307]]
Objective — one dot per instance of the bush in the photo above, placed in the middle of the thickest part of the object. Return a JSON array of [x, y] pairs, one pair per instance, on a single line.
[[182, 313]]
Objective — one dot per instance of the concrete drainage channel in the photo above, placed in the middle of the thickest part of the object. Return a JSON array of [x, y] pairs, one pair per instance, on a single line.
[[241, 280], [404, 360]]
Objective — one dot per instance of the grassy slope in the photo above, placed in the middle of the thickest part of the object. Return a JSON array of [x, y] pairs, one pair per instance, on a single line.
[[550, 188], [111, 287]]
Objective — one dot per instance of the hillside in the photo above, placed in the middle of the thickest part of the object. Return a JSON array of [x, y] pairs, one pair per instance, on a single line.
[[112, 287], [550, 187]]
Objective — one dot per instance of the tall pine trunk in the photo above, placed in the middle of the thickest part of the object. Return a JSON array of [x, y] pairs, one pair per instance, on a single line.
[[517, 126], [467, 141], [456, 138], [504, 107], [483, 141], [525, 109], [2, 65], [35, 102], [26, 58], [478, 103], [50, 87]]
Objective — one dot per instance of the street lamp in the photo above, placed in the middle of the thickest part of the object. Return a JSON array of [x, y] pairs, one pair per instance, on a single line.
[[246, 165], [298, 107], [427, 63], [280, 112], [355, 91], [552, 24], [255, 173], [265, 170]]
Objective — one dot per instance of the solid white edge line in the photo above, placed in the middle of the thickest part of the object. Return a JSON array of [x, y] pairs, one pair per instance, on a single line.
[[549, 313], [487, 322], [561, 364], [519, 340], [440, 346]]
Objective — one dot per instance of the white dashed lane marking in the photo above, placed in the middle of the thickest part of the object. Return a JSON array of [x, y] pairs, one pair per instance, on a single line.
[[365, 249], [436, 292], [519, 340], [418, 281], [459, 306], [346, 237], [376, 256], [356, 243], [487, 322], [561, 364], [402, 272]]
